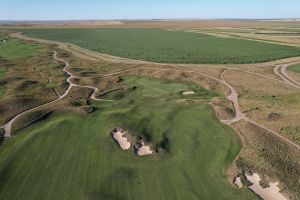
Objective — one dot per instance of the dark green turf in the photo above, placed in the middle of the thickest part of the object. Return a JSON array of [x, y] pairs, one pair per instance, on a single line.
[[168, 46], [72, 157], [295, 68], [14, 48]]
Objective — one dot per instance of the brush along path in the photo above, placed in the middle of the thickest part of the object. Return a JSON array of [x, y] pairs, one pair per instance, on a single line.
[[8, 126]]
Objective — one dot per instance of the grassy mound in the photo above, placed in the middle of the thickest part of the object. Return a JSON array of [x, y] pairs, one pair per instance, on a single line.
[[73, 157], [168, 46]]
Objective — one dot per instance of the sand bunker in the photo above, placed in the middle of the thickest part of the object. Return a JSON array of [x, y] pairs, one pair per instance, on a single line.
[[188, 93], [139, 146], [143, 150], [238, 182], [118, 135], [269, 193]]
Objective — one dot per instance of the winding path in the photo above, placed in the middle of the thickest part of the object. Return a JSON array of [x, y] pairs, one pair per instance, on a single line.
[[8, 126], [281, 71]]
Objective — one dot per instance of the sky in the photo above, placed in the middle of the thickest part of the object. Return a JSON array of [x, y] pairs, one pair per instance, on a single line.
[[147, 9]]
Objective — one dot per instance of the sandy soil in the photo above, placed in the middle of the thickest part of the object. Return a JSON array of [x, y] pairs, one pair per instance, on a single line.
[[269, 193], [144, 150], [238, 182], [120, 137], [188, 93]]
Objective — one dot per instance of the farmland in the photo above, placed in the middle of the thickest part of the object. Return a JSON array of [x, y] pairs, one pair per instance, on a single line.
[[164, 46], [79, 152]]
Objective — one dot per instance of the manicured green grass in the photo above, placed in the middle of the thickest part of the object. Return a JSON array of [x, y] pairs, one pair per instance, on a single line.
[[168, 46], [14, 48], [51, 85], [295, 68], [73, 157]]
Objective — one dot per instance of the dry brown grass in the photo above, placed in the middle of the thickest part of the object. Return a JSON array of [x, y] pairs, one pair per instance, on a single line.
[[294, 75], [155, 24], [259, 97], [269, 156], [27, 83], [76, 101]]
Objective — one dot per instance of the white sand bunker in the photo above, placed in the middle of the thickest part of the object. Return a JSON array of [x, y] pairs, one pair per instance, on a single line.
[[269, 193], [123, 138], [188, 93], [143, 150], [118, 135], [238, 182]]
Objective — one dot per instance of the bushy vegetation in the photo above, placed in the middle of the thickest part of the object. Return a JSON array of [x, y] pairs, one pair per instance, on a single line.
[[73, 157], [168, 46], [270, 156]]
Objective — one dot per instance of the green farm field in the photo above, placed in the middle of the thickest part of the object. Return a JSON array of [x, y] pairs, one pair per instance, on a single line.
[[69, 156], [165, 46]]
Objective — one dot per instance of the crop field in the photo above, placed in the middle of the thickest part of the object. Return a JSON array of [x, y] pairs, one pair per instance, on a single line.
[[165, 46], [295, 68], [14, 48], [69, 156]]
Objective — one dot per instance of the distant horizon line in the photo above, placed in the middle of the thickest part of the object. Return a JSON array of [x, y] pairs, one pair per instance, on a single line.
[[147, 19]]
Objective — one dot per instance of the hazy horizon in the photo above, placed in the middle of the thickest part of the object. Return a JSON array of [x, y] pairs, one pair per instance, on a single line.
[[34, 10]]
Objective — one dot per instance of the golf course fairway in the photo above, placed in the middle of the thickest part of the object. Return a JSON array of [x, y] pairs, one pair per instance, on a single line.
[[68, 156]]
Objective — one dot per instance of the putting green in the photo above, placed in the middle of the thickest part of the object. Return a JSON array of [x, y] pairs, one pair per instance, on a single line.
[[73, 157], [14, 48]]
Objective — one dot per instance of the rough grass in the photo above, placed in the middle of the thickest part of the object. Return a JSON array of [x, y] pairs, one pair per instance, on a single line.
[[168, 46], [72, 157], [2, 72], [14, 48], [295, 68], [2, 75], [2, 91]]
